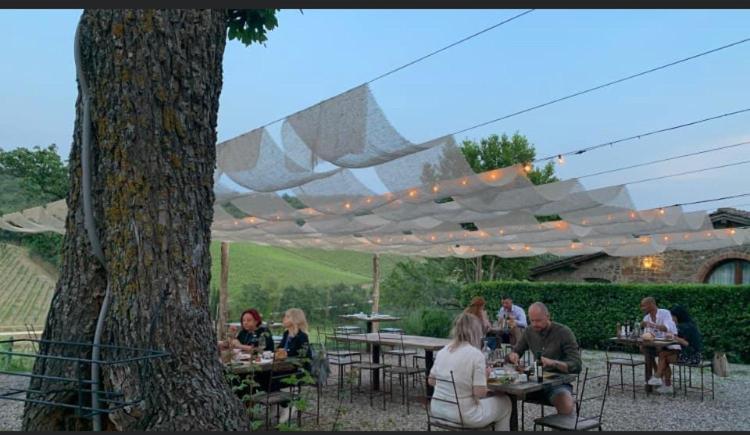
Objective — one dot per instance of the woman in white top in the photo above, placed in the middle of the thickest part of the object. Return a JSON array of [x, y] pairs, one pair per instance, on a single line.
[[464, 358]]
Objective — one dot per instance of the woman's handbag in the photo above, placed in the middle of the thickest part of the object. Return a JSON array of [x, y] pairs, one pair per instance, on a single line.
[[720, 365]]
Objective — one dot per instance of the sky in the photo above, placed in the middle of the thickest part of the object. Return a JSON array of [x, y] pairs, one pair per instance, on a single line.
[[316, 54]]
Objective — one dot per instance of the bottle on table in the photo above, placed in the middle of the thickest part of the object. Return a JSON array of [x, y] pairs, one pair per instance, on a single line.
[[539, 368]]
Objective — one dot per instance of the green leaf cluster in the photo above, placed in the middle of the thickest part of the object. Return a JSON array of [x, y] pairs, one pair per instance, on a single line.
[[250, 25], [593, 310]]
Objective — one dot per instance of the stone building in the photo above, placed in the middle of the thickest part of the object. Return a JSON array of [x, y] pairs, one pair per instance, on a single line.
[[721, 266]]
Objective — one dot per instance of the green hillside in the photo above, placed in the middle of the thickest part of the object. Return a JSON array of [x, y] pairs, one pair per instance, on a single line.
[[267, 265], [25, 290]]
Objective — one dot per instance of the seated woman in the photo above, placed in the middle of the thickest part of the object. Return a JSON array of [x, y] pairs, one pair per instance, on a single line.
[[465, 359], [254, 335], [691, 342], [294, 342], [476, 307]]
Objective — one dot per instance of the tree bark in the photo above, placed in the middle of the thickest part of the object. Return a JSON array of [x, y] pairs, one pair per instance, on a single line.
[[154, 80], [223, 294], [478, 269]]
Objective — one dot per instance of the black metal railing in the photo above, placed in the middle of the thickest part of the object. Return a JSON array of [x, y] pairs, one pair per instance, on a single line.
[[79, 386]]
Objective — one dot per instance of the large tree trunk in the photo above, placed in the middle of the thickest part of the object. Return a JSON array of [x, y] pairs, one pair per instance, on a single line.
[[221, 321], [154, 79]]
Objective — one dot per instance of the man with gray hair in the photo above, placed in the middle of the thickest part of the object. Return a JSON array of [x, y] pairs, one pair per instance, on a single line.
[[559, 352]]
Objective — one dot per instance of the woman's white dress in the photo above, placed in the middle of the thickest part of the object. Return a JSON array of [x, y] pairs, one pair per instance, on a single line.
[[468, 366]]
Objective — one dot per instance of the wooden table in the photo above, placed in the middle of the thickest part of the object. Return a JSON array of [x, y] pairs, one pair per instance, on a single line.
[[429, 344], [521, 390], [657, 345], [247, 366], [370, 319]]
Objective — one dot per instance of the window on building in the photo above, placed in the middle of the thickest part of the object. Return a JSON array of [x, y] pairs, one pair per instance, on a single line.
[[730, 272]]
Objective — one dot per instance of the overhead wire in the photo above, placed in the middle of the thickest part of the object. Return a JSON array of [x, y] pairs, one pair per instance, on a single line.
[[613, 82], [642, 135], [694, 171], [666, 159], [408, 64]]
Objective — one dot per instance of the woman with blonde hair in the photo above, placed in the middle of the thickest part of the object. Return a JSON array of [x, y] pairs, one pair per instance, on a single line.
[[464, 359], [294, 342]]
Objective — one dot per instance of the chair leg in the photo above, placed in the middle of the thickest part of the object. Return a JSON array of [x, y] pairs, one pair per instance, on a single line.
[[622, 381], [713, 396], [701, 384], [632, 370]]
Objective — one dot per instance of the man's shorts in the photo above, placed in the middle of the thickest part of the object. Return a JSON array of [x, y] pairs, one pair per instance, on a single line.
[[547, 396]]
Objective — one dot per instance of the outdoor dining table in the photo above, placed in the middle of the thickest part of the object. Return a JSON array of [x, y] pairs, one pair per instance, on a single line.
[[657, 344], [429, 344], [370, 319], [243, 367], [519, 391]]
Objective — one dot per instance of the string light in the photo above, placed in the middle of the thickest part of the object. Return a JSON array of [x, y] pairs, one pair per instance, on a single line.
[[527, 167], [560, 159], [347, 206], [412, 193], [435, 188]]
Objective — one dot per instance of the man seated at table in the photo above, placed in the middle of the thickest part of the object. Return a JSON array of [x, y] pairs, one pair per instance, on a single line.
[[658, 321], [559, 353], [510, 316]]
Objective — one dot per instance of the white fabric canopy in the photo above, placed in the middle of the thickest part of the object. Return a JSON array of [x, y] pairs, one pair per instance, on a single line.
[[434, 204]]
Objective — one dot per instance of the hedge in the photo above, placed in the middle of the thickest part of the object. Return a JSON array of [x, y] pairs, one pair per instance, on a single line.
[[593, 310]]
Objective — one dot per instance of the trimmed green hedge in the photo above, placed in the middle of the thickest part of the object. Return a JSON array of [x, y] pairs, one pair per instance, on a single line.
[[593, 310]]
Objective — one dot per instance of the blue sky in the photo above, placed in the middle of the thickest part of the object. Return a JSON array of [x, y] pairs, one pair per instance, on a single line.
[[544, 55]]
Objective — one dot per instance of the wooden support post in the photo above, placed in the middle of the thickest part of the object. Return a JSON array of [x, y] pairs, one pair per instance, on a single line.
[[223, 294], [375, 287]]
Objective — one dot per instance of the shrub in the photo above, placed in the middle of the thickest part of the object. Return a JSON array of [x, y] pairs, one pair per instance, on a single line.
[[428, 322], [592, 310]]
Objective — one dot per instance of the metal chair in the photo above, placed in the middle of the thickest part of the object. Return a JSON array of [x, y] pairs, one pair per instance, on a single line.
[[397, 351], [588, 416], [687, 385], [340, 355], [361, 365], [403, 372], [443, 423], [621, 356], [274, 394]]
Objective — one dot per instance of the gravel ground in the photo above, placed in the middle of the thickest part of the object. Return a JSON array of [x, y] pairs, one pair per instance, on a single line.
[[730, 410]]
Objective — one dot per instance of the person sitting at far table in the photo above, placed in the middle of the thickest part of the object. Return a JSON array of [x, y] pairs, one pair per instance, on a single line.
[[476, 307], [254, 334], [508, 310], [689, 338], [559, 352], [659, 322]]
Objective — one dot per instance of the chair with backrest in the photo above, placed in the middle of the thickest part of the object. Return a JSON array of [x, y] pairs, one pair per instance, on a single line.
[[361, 364], [277, 391], [685, 370], [621, 356], [340, 354], [399, 351], [589, 405], [443, 423], [402, 372]]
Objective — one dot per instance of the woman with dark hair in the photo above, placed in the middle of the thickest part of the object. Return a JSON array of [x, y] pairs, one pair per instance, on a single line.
[[688, 336], [253, 335], [691, 343]]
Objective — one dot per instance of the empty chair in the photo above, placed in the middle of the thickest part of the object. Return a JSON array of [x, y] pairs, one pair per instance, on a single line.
[[589, 405], [620, 356]]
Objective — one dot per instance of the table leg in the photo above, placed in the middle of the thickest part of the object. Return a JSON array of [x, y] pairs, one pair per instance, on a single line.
[[369, 326], [513, 413], [648, 369], [376, 373], [428, 361]]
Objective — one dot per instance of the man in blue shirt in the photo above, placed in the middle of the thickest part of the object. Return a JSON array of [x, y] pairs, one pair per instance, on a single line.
[[511, 320]]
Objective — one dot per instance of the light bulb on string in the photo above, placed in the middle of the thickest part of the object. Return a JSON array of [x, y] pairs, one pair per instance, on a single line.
[[560, 159]]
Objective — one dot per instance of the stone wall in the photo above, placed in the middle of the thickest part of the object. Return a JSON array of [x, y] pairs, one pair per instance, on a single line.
[[669, 267]]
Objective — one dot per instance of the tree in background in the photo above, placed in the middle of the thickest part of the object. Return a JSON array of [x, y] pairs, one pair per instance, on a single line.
[[29, 178], [154, 78], [435, 282]]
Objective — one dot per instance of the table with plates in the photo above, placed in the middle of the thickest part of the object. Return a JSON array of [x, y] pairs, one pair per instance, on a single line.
[[508, 381], [657, 344]]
